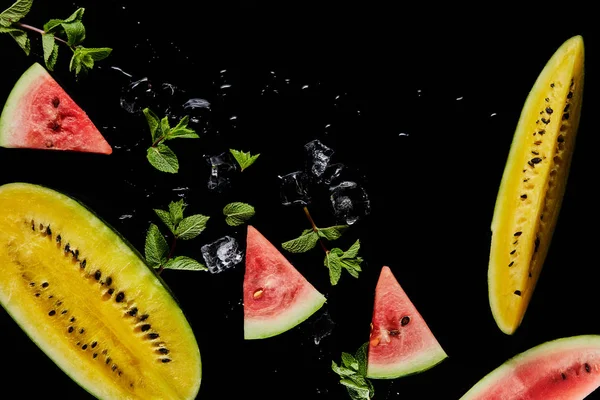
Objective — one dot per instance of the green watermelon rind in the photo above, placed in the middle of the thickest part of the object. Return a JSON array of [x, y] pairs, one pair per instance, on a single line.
[[567, 343], [425, 361], [303, 309], [11, 106]]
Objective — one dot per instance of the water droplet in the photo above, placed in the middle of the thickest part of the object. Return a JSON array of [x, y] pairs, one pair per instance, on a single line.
[[493, 114], [459, 98], [403, 134], [125, 216]]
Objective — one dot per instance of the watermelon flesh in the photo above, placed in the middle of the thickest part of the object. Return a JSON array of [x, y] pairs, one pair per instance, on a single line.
[[276, 296], [400, 343], [39, 114], [562, 369]]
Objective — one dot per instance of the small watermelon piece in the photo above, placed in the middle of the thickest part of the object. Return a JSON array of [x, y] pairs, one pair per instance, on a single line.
[[400, 343], [561, 369], [276, 296], [39, 114]]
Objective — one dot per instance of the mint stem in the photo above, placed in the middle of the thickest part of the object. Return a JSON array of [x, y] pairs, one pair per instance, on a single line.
[[171, 251], [315, 229], [40, 31]]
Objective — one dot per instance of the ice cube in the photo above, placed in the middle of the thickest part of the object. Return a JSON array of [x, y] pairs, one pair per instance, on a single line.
[[137, 96], [198, 111], [322, 327], [349, 201], [317, 157], [222, 254], [294, 188], [221, 168], [332, 173]]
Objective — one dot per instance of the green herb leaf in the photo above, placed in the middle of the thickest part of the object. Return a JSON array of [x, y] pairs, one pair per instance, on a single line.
[[243, 159], [54, 25], [21, 38], [349, 361], [181, 131], [95, 53], [176, 211], [163, 159], [335, 268], [341, 371], [164, 124], [153, 123], [185, 263], [237, 213], [75, 32], [305, 242], [156, 248], [50, 50], [333, 232], [191, 226], [337, 259], [361, 358], [83, 58], [76, 16], [358, 394], [14, 13], [165, 217]]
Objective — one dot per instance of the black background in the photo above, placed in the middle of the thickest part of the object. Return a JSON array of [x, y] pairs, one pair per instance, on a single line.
[[454, 80]]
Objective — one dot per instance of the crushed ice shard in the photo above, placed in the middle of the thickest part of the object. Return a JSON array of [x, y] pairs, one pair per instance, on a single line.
[[317, 157], [349, 201], [222, 254]]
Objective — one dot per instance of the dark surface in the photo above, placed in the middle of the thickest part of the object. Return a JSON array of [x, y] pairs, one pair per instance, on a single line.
[[454, 84]]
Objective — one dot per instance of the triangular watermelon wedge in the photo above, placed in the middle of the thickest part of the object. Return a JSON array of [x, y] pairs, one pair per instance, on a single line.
[[276, 296], [400, 343], [39, 114]]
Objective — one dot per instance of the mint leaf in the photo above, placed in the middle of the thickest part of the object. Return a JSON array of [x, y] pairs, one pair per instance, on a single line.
[[359, 394], [341, 371], [333, 232], [156, 247], [165, 217], [164, 124], [50, 50], [185, 263], [75, 32], [243, 159], [361, 358], [191, 226], [21, 38], [334, 266], [53, 25], [163, 159], [96, 54], [14, 13], [301, 244], [237, 213], [181, 131], [352, 252], [76, 16], [337, 259], [83, 58], [176, 211], [349, 361], [153, 123]]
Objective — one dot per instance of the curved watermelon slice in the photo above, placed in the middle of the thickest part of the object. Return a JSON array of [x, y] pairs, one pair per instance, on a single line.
[[39, 114], [400, 343], [276, 296], [562, 369]]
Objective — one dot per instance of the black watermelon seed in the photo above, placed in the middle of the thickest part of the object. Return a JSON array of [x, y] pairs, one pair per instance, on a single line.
[[394, 332], [81, 330], [45, 284], [76, 254], [536, 160], [565, 116], [587, 367], [63, 312], [32, 284], [71, 329], [109, 281], [535, 152], [67, 248], [84, 346], [542, 132], [114, 367], [108, 360], [72, 319], [120, 297], [145, 327], [133, 311], [58, 239], [55, 102], [552, 84], [32, 225], [513, 252], [530, 164], [546, 121], [110, 291], [83, 264], [564, 377], [78, 343], [51, 296], [163, 350], [95, 355], [153, 335], [549, 110], [518, 233], [404, 321], [547, 99], [523, 196], [52, 313], [560, 139], [41, 227], [567, 107], [97, 275], [570, 95], [144, 317], [94, 344], [518, 292], [48, 231], [166, 360], [537, 244], [511, 264], [530, 274]]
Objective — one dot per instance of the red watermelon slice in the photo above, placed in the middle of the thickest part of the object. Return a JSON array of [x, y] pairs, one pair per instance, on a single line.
[[400, 343], [39, 114], [562, 369], [276, 296]]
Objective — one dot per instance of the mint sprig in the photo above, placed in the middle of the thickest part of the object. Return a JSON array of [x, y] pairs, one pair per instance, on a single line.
[[159, 154], [69, 31], [157, 251], [237, 213], [353, 374], [310, 237], [336, 260], [243, 159]]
